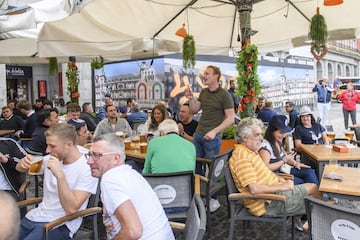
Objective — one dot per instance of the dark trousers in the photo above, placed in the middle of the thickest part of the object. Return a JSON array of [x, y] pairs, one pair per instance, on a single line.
[[346, 114]]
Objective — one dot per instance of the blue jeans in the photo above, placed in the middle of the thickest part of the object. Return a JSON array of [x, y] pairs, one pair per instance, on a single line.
[[205, 149], [30, 230], [304, 175]]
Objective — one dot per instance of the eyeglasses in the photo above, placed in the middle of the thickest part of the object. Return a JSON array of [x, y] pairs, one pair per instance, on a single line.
[[96, 156]]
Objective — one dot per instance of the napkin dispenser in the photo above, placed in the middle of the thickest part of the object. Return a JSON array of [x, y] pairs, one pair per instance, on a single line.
[[340, 148]]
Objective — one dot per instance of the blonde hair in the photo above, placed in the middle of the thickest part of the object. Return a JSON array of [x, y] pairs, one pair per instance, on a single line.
[[63, 131]]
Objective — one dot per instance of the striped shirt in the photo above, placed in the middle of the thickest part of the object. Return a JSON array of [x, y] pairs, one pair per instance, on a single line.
[[247, 167]]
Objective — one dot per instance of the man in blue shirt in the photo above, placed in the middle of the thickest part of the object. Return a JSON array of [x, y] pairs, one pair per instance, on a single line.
[[293, 113], [136, 114], [324, 90]]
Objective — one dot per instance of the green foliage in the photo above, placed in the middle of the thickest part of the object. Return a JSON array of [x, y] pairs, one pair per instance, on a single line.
[[72, 75], [229, 133], [248, 80], [189, 52], [97, 63], [318, 29], [53, 66], [318, 34]]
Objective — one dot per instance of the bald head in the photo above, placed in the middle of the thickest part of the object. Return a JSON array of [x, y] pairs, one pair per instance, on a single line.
[[9, 213]]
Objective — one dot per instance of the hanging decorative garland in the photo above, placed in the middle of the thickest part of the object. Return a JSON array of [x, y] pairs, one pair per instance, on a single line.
[[318, 34], [97, 63], [53, 66], [189, 52], [72, 75], [248, 80]]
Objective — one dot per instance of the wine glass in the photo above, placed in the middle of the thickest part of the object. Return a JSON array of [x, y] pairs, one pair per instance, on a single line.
[[333, 165]]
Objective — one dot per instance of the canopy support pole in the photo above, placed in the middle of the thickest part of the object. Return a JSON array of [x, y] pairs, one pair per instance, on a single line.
[[297, 9], [172, 19]]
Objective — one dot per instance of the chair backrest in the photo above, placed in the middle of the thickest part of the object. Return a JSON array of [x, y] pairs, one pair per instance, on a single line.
[[195, 225], [138, 123], [218, 165], [175, 191], [331, 221], [357, 133], [90, 224], [329, 128], [230, 184]]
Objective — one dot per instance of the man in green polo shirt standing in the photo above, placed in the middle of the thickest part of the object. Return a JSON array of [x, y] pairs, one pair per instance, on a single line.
[[217, 114]]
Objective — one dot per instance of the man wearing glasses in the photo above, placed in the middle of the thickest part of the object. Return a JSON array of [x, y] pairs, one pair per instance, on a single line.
[[131, 209], [67, 185]]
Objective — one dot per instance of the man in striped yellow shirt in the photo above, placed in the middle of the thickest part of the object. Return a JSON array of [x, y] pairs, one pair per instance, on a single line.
[[251, 175]]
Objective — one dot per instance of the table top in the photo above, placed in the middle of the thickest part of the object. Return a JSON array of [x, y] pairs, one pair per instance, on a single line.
[[324, 153], [5, 132], [135, 153], [350, 185]]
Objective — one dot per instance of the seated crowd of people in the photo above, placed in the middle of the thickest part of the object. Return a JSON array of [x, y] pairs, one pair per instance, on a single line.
[[72, 168]]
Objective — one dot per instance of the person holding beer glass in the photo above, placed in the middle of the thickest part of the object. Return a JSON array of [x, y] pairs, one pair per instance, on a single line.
[[67, 185]]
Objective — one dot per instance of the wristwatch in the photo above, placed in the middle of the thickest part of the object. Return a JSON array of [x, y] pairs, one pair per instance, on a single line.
[[183, 133]]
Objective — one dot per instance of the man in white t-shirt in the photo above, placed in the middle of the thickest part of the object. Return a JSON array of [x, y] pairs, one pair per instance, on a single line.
[[67, 185], [131, 209]]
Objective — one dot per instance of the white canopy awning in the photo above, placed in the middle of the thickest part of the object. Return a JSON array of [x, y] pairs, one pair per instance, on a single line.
[[105, 24]]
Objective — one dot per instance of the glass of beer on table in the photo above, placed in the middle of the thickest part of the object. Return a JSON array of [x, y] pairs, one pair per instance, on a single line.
[[127, 144], [143, 147], [330, 136], [349, 134]]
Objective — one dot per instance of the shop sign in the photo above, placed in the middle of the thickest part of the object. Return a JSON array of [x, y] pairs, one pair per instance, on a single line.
[[18, 72]]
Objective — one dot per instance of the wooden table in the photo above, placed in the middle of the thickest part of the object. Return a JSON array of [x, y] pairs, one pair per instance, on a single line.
[[135, 155], [5, 132], [317, 156], [348, 188]]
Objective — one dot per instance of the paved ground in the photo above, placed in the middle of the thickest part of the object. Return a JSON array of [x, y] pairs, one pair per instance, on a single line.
[[256, 230]]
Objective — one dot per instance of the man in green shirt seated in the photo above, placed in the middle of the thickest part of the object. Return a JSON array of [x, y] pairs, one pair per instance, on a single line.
[[169, 152]]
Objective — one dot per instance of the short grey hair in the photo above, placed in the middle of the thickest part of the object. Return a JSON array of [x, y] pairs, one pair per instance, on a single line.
[[115, 143], [245, 127], [9, 211], [135, 106], [167, 126]]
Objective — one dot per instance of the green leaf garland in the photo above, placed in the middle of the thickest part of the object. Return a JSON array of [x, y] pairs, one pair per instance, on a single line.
[[189, 52]]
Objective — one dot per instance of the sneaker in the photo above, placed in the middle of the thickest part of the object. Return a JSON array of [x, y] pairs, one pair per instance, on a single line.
[[301, 226], [214, 205], [298, 224]]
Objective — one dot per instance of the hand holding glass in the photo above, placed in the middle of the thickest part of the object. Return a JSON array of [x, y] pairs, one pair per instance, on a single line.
[[36, 163]]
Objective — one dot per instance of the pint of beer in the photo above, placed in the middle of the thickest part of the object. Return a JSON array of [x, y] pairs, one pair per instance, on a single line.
[[127, 144], [330, 136], [349, 135], [143, 138], [35, 167], [143, 147]]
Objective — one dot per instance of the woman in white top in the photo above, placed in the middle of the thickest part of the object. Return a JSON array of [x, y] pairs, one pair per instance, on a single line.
[[158, 114]]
